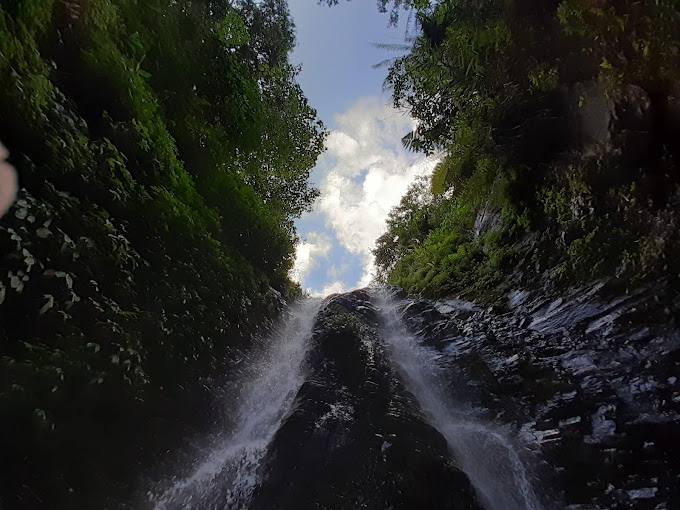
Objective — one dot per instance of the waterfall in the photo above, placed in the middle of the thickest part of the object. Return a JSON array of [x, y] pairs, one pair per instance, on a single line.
[[227, 475], [485, 452], [268, 455]]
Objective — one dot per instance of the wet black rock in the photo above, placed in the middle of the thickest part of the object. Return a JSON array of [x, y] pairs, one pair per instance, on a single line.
[[355, 437], [590, 382]]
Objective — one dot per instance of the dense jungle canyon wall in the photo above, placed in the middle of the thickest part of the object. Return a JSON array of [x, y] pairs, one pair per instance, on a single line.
[[557, 126], [163, 150]]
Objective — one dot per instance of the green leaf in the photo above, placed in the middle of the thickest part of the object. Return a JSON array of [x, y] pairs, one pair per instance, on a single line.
[[49, 303]]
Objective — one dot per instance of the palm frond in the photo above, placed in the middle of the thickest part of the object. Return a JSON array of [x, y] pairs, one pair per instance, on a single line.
[[392, 46], [384, 63]]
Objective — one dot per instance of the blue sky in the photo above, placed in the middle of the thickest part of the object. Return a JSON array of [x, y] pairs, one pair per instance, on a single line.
[[364, 171]]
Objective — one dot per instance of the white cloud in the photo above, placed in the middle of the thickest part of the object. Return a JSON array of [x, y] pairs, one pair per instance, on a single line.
[[332, 288], [368, 173], [307, 254]]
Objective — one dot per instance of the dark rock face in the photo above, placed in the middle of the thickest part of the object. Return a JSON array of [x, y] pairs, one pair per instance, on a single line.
[[570, 403], [355, 437], [590, 382]]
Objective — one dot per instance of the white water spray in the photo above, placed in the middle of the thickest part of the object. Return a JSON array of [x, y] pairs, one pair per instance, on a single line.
[[262, 404], [484, 452]]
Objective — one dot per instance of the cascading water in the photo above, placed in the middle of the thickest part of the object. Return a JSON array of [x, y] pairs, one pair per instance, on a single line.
[[484, 452], [366, 401], [227, 476], [268, 456]]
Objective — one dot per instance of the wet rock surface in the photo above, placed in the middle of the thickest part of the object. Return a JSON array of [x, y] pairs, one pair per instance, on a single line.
[[355, 438], [589, 381]]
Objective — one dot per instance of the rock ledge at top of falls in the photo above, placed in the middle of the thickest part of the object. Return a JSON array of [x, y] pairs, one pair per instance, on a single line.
[[355, 438]]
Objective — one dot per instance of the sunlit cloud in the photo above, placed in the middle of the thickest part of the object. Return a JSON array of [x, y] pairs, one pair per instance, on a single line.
[[332, 288], [363, 174], [369, 172], [308, 253]]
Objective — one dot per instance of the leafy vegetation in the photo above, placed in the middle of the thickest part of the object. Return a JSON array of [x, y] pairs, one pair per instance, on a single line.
[[163, 149], [555, 122]]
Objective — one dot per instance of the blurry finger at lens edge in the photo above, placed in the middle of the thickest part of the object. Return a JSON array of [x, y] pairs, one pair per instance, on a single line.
[[8, 182]]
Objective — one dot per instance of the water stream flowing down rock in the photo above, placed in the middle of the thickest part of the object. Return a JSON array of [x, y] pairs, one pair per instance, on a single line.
[[227, 474], [374, 399]]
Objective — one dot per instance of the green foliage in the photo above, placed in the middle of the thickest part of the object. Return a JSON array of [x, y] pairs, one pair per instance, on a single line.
[[633, 40], [498, 87], [544, 79], [164, 149], [393, 7], [232, 31]]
